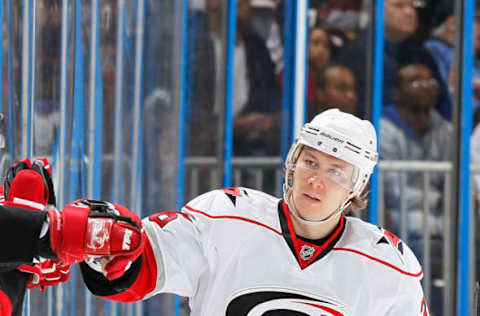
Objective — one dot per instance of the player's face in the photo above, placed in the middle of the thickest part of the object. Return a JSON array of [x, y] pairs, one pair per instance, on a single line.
[[321, 183]]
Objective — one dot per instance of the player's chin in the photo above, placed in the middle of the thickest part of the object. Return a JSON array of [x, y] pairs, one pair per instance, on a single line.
[[311, 210], [311, 215]]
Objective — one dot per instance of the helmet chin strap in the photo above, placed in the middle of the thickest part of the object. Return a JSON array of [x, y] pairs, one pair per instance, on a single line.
[[345, 204]]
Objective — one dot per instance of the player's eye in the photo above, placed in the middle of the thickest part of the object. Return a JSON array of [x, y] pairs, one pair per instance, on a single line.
[[335, 172], [310, 163]]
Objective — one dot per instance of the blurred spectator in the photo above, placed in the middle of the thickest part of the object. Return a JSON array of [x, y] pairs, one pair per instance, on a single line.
[[441, 46], [401, 22], [319, 55], [336, 88], [412, 129], [47, 76], [318, 58], [337, 14], [256, 94], [264, 22], [254, 69], [160, 114], [205, 97]]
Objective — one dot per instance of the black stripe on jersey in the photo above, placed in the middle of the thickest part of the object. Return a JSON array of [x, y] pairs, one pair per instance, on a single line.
[[245, 303], [285, 230], [289, 236]]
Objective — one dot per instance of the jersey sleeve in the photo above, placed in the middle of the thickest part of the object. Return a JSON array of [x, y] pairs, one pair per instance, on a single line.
[[409, 299], [173, 261], [24, 227]]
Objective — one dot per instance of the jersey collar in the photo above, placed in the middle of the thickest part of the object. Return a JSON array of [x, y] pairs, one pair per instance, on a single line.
[[305, 252]]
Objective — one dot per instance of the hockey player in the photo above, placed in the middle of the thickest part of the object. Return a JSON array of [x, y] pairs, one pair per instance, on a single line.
[[238, 251], [40, 243]]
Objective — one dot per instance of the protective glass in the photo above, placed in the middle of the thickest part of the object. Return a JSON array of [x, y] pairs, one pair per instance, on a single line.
[[344, 175]]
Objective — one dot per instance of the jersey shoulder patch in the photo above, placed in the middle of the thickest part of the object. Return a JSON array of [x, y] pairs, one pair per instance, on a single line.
[[238, 202], [217, 202], [382, 246], [165, 217], [234, 193]]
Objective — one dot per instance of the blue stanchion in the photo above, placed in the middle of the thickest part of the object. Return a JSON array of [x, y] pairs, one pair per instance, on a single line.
[[466, 118], [229, 94], [181, 14], [287, 100], [377, 100]]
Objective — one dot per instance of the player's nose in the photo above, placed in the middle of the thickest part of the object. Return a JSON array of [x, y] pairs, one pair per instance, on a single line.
[[317, 181]]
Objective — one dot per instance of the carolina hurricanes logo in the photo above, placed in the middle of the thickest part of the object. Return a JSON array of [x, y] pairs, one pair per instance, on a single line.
[[306, 253], [282, 302], [99, 234]]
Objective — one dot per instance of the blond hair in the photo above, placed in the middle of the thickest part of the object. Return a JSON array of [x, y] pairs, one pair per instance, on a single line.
[[358, 203]]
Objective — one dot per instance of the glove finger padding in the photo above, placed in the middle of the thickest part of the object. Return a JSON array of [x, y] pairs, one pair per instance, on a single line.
[[94, 228], [34, 270], [30, 185], [46, 273], [13, 171], [118, 265], [42, 166]]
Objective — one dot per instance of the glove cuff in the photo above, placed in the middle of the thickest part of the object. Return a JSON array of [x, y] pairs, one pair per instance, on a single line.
[[67, 233], [24, 203]]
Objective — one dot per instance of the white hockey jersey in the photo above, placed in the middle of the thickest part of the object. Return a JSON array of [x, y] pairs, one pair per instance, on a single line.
[[234, 252]]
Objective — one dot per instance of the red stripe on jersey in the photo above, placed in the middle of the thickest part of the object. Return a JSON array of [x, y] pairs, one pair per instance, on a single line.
[[327, 309], [146, 279], [381, 261], [233, 217], [5, 304]]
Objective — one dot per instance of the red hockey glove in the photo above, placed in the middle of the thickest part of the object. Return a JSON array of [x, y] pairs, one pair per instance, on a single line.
[[118, 265], [46, 273], [29, 185], [94, 228]]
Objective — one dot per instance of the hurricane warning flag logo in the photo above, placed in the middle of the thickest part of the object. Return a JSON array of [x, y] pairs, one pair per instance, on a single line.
[[282, 302]]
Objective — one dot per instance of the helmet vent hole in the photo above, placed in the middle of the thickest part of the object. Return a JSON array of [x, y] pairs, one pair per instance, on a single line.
[[319, 143], [334, 149]]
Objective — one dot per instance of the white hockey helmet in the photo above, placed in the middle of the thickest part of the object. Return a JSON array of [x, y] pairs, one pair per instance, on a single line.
[[341, 135]]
